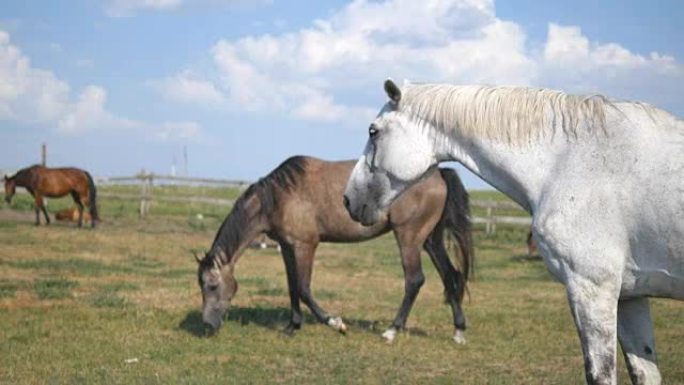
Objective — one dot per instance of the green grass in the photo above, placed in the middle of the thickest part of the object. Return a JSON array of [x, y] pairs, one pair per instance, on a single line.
[[54, 288], [120, 305], [8, 287]]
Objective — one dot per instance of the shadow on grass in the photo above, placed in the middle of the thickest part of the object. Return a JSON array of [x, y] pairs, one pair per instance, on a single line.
[[526, 257], [277, 318]]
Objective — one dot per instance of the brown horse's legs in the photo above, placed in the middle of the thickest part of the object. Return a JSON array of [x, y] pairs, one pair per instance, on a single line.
[[291, 270], [45, 213], [40, 207], [413, 280], [305, 254], [450, 279], [77, 200]]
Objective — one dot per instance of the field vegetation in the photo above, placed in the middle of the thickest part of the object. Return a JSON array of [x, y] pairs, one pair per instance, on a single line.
[[120, 305]]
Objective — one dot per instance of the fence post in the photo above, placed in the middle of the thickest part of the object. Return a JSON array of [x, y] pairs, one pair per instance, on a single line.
[[488, 225], [145, 193]]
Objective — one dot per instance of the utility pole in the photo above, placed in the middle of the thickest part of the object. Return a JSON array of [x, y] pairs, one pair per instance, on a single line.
[[43, 155], [185, 159]]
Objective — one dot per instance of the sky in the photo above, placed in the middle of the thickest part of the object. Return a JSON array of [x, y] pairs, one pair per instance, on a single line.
[[116, 86]]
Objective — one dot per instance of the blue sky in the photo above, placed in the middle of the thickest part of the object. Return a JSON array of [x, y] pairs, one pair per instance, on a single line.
[[119, 85]]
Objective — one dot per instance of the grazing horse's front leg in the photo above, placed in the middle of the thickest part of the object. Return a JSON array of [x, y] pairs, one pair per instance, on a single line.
[[40, 207], [635, 333], [291, 270], [304, 253]]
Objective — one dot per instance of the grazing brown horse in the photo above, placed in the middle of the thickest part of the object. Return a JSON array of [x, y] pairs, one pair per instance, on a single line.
[[299, 204], [54, 183]]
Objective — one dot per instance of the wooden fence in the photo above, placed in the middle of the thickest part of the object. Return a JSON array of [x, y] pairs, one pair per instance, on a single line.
[[147, 181], [490, 220]]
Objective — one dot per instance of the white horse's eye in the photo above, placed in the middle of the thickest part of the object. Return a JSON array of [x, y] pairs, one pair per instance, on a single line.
[[372, 131]]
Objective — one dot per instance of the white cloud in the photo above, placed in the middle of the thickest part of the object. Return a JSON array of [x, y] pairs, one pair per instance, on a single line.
[[88, 113], [309, 74], [299, 73], [124, 8], [573, 62], [184, 87], [28, 94], [35, 97], [567, 47], [118, 8]]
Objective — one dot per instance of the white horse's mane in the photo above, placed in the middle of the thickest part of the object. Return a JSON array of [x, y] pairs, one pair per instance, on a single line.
[[515, 115]]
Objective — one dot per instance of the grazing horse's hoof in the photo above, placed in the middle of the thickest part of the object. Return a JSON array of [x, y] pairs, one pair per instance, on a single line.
[[291, 329], [389, 335], [459, 337], [337, 324]]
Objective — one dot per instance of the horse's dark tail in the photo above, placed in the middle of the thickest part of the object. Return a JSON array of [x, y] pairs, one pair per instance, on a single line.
[[456, 220], [92, 198]]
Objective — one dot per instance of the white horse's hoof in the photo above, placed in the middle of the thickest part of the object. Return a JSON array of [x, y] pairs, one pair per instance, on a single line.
[[337, 324], [459, 337], [389, 335]]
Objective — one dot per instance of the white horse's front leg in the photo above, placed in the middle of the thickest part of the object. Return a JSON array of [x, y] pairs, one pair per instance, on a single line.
[[635, 332], [594, 308]]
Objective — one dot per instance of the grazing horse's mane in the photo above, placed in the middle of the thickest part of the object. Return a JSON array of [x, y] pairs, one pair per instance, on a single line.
[[22, 176], [515, 115], [267, 191]]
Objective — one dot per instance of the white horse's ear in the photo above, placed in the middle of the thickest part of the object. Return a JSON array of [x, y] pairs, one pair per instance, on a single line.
[[393, 92]]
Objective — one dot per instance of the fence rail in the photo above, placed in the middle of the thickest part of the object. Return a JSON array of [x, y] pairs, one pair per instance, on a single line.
[[148, 180], [151, 178]]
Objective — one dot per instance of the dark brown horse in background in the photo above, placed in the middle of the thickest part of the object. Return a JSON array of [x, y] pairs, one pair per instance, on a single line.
[[54, 183], [299, 204]]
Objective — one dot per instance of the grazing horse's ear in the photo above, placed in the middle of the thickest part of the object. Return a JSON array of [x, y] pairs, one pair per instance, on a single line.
[[194, 253], [393, 92]]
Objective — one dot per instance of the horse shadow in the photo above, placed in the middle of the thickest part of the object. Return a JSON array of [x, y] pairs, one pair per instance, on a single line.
[[277, 318], [526, 257]]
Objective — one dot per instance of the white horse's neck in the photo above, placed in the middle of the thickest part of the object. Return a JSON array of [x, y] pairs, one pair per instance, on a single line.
[[509, 136], [519, 172]]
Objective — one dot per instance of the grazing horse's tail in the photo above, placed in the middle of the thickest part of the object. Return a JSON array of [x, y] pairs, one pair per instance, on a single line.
[[92, 198], [456, 220]]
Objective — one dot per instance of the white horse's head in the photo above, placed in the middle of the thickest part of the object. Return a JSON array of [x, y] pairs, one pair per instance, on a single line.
[[398, 153]]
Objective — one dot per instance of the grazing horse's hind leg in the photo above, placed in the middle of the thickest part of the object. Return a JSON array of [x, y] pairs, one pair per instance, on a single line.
[[79, 203], [413, 280], [450, 279], [304, 254], [635, 333], [291, 270]]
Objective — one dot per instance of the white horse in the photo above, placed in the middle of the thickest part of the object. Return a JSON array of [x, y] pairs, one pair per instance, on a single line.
[[603, 180]]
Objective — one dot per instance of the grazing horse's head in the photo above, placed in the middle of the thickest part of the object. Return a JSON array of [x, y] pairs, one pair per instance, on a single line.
[[398, 153], [218, 286], [10, 188]]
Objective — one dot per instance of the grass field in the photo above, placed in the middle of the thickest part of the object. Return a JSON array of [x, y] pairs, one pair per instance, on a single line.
[[120, 305]]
